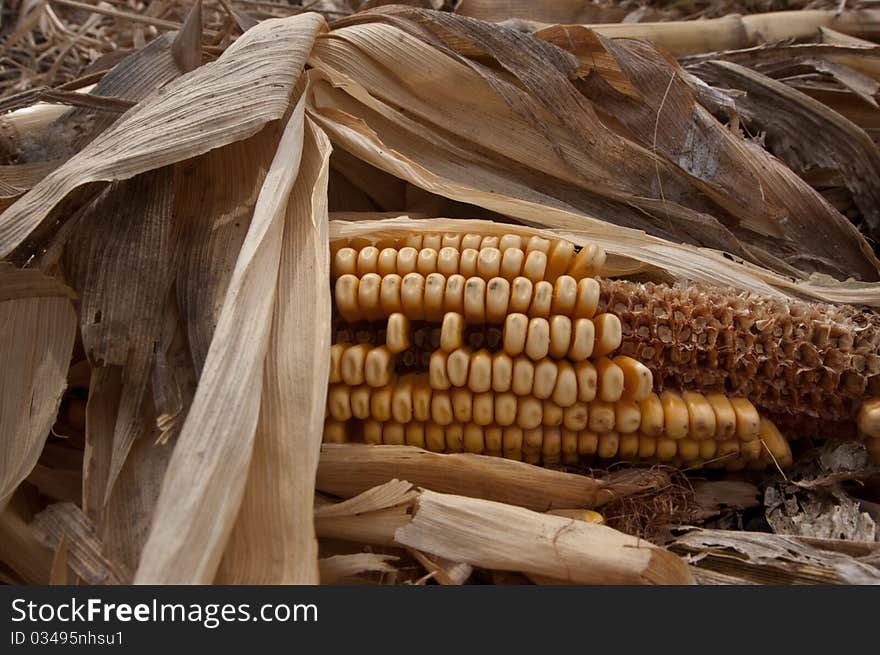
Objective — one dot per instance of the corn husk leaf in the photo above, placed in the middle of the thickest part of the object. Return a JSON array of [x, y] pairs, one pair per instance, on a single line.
[[123, 518], [37, 329], [858, 59], [549, 163], [778, 212], [370, 517], [16, 179], [218, 435], [169, 127], [273, 539], [127, 233], [215, 219], [786, 115]]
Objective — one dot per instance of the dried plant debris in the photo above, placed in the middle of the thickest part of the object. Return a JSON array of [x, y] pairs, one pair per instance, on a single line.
[[813, 500], [596, 282], [775, 559]]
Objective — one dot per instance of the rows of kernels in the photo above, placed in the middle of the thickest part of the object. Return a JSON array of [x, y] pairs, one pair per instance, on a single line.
[[551, 371], [560, 444], [415, 396], [428, 297], [508, 257]]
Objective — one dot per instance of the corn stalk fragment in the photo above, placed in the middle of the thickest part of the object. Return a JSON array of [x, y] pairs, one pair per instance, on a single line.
[[497, 536]]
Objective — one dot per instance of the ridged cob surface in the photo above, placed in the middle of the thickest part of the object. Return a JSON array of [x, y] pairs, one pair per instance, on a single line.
[[509, 346], [808, 365]]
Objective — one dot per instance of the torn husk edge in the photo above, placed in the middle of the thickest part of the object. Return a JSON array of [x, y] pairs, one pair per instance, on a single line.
[[502, 537]]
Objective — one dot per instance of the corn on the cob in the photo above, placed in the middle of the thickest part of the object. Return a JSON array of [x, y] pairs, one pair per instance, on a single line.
[[508, 346]]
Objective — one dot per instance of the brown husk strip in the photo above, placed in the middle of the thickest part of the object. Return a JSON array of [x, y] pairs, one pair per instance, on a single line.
[[370, 517], [763, 558], [16, 179], [214, 219], [550, 162], [787, 116], [127, 233], [123, 521], [349, 469], [781, 212], [338, 568], [85, 551]]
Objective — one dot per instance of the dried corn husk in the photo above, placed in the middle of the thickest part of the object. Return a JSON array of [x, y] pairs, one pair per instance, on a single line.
[[222, 421], [448, 531], [371, 517], [37, 329], [754, 557], [463, 151], [349, 469], [276, 513], [165, 128], [498, 536]]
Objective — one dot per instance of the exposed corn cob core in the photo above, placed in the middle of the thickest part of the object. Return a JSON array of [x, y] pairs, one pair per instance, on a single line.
[[503, 345], [809, 366]]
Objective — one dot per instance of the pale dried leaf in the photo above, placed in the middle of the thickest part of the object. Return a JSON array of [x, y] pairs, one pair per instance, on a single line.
[[384, 496], [37, 329], [371, 517], [497, 536], [236, 95], [273, 539], [205, 480]]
